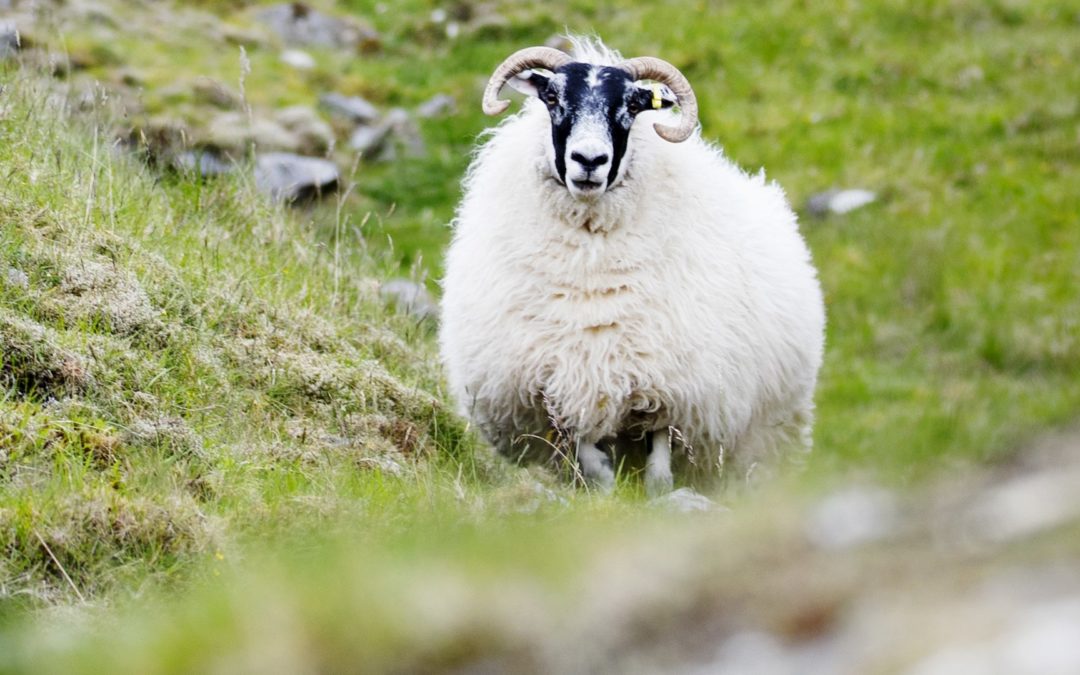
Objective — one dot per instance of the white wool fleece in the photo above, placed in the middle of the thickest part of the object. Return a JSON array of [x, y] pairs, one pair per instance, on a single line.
[[683, 297]]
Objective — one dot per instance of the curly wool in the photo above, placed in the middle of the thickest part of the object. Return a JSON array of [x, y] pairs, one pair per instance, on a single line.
[[684, 297]]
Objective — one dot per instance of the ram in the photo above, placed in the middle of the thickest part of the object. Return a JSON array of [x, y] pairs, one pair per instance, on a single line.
[[615, 282]]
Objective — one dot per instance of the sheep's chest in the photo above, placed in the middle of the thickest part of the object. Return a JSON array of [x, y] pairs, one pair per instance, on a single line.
[[593, 353]]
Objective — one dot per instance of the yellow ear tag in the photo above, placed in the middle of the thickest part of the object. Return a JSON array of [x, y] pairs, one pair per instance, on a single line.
[[657, 102]]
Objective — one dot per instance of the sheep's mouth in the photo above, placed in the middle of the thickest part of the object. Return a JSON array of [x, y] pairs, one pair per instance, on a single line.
[[587, 185]]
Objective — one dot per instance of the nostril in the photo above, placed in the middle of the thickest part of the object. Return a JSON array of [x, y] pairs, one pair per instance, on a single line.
[[589, 162]]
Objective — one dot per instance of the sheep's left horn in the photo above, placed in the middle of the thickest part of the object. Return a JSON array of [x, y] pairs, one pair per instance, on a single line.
[[652, 68], [524, 59]]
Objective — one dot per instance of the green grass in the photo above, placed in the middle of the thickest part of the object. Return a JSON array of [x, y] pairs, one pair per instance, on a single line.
[[215, 440]]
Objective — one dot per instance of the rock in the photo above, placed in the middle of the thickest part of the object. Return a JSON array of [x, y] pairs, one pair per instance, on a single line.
[[10, 43], [292, 178], [206, 164], [839, 201], [16, 278], [299, 24], [298, 58], [314, 135], [352, 108], [235, 134], [397, 134], [209, 90], [159, 139], [436, 106], [368, 140], [851, 517], [684, 500], [410, 297]]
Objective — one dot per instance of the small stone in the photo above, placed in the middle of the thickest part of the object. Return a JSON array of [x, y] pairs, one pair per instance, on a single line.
[[17, 278], [158, 138], [684, 500], [298, 23], [436, 106], [206, 164], [209, 90], [315, 136], [298, 58], [235, 133], [410, 297], [293, 178], [397, 134], [352, 108], [839, 201], [368, 140]]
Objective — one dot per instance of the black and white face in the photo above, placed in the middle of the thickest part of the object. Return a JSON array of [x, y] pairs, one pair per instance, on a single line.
[[592, 109]]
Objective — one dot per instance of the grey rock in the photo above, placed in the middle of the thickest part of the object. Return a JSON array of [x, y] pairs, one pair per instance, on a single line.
[[684, 500], [396, 135], [436, 106], [298, 23], [314, 136], [10, 42], [158, 138], [410, 297], [369, 140], [293, 178], [839, 201], [206, 164], [352, 108], [217, 94], [298, 58], [16, 277], [235, 133]]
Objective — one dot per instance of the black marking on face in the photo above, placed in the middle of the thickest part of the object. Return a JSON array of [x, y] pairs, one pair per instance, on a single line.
[[600, 94]]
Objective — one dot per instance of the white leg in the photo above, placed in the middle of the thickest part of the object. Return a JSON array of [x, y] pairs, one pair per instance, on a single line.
[[658, 479], [595, 467]]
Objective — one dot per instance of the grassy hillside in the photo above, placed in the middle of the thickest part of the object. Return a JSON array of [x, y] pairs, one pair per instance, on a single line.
[[220, 450]]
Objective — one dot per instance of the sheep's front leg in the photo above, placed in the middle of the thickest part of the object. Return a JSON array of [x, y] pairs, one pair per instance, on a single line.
[[658, 478], [595, 467]]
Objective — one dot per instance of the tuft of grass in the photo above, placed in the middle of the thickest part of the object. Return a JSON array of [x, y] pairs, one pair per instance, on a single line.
[[182, 363]]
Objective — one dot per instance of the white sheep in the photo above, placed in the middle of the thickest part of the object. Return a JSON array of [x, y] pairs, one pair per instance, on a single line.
[[624, 286]]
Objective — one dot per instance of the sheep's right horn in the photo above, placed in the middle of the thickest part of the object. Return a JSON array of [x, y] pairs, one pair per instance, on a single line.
[[523, 59], [652, 68]]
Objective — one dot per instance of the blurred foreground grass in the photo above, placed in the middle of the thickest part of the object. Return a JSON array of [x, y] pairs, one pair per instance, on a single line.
[[218, 450]]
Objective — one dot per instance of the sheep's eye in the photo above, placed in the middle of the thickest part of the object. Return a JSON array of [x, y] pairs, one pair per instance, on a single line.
[[551, 98], [633, 107]]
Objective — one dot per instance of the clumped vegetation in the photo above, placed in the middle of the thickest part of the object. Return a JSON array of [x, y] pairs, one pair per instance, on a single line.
[[220, 449]]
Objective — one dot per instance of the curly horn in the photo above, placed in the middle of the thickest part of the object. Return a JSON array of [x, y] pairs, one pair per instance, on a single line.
[[652, 68], [523, 59]]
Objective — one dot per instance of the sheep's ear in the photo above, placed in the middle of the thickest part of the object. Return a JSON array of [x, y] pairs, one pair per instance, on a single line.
[[656, 96], [529, 82]]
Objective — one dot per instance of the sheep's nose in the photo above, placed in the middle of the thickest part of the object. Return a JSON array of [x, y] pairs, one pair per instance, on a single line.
[[589, 163]]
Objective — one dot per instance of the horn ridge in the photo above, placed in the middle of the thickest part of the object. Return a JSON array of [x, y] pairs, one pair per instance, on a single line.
[[523, 59]]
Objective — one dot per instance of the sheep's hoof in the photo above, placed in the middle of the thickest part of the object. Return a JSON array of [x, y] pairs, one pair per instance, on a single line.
[[658, 480], [603, 482]]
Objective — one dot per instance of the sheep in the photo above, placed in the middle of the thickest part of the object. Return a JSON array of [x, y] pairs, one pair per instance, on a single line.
[[616, 282]]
